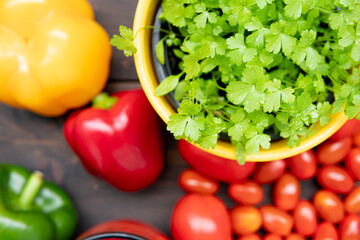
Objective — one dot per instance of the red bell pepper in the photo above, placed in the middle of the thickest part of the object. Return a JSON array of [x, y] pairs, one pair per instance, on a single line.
[[118, 139], [215, 167]]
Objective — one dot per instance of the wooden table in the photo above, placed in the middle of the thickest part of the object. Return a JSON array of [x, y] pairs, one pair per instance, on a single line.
[[38, 143]]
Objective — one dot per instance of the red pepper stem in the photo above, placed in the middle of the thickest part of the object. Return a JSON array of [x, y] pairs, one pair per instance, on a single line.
[[103, 101], [31, 189]]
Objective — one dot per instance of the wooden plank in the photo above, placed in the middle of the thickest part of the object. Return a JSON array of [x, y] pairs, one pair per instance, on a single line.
[[110, 14]]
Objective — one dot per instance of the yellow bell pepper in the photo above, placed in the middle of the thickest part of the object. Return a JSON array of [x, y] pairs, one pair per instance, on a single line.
[[53, 55]]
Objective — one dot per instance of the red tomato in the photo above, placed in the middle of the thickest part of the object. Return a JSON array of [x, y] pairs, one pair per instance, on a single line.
[[248, 193], [272, 236], [200, 217], [356, 139], [351, 127], [333, 152], [326, 231], [215, 167], [192, 181], [350, 228], [352, 163], [276, 220], [253, 236], [295, 236], [304, 165], [336, 179], [329, 206], [269, 172], [286, 192], [245, 219], [305, 218], [352, 201]]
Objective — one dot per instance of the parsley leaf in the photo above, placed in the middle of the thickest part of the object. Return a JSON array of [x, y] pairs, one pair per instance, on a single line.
[[124, 41]]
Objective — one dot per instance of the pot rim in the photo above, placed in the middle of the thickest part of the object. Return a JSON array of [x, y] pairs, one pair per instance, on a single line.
[[144, 16], [119, 235]]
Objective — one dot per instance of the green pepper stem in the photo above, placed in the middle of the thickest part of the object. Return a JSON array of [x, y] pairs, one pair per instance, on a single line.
[[103, 101], [31, 189]]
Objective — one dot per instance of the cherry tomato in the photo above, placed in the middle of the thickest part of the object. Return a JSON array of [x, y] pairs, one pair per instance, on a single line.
[[352, 163], [200, 217], [333, 152], [350, 228], [352, 201], [218, 168], [248, 193], [269, 172], [326, 231], [272, 236], [304, 165], [253, 236], [336, 179], [295, 236], [305, 218], [351, 127], [276, 220], [329, 206], [245, 219], [356, 139], [286, 192], [192, 181]]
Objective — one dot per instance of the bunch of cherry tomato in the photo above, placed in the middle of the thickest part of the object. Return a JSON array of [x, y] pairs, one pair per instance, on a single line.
[[331, 214]]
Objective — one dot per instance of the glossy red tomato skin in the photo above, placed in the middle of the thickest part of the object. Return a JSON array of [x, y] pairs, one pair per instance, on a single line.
[[245, 219], [329, 206], [200, 217], [248, 193], [212, 166], [305, 218], [272, 236], [295, 236], [351, 127], [335, 179], [352, 163], [192, 181], [286, 193], [352, 201], [304, 165], [276, 220], [356, 139], [253, 236], [350, 228], [326, 231], [330, 153], [269, 172]]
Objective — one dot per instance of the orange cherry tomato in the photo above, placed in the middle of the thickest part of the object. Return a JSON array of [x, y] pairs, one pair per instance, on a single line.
[[269, 172], [192, 181], [352, 163], [350, 228], [304, 165], [272, 236], [351, 127], [286, 193], [248, 193], [336, 179], [305, 218], [333, 152], [253, 236], [326, 231], [245, 219], [352, 201], [295, 236], [329, 206], [276, 220]]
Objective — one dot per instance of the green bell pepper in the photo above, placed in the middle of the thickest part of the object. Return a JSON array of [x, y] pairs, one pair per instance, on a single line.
[[32, 209]]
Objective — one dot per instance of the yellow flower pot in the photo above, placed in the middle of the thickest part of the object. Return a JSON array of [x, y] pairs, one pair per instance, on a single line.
[[144, 16]]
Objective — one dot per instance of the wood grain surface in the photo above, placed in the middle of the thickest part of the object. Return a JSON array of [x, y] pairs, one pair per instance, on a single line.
[[37, 143]]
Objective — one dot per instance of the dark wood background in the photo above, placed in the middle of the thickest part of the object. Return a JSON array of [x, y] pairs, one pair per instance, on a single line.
[[38, 143]]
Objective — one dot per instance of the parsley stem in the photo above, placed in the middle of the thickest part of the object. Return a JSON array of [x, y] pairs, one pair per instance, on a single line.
[[324, 10]]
